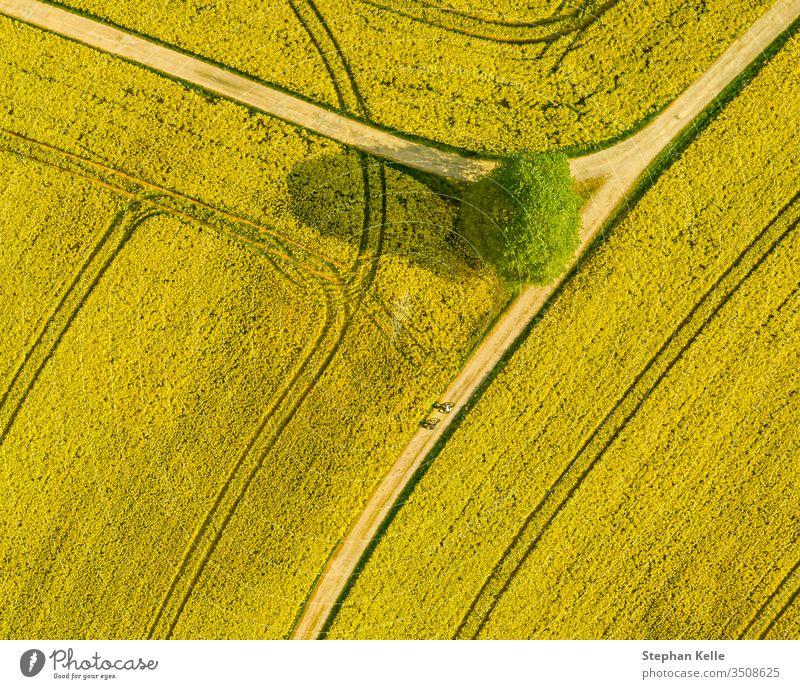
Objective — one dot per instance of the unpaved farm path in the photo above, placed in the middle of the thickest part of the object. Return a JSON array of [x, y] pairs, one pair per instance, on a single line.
[[616, 169], [174, 63]]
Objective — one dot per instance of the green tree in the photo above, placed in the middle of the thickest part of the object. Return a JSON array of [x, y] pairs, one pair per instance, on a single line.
[[525, 217]]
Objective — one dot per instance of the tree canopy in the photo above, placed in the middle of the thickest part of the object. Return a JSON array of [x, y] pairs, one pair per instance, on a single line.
[[529, 212], [542, 216]]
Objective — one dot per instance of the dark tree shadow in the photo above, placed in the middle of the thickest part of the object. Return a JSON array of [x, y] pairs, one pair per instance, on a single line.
[[328, 195], [422, 224]]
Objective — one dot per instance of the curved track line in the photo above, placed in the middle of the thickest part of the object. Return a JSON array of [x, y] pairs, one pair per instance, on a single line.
[[261, 444], [308, 14], [269, 253], [461, 14], [518, 33], [136, 186], [248, 91], [230, 495], [74, 297], [619, 166], [134, 193], [315, 26]]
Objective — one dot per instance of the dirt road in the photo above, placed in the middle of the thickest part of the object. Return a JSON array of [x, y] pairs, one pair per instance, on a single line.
[[173, 63], [619, 166]]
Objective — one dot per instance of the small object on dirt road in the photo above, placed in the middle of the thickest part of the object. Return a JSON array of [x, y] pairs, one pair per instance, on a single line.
[[430, 424], [445, 407]]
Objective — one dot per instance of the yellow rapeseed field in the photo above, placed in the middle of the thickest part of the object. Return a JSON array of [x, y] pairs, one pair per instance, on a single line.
[[784, 606], [124, 439], [519, 75], [240, 326], [37, 263], [630, 446], [220, 331], [688, 521]]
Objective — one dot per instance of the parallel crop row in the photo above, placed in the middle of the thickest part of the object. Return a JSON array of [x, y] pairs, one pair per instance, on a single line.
[[37, 263], [689, 520], [208, 379], [597, 444], [542, 25], [126, 435]]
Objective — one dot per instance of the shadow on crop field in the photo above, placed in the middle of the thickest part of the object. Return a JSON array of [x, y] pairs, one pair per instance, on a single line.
[[328, 194]]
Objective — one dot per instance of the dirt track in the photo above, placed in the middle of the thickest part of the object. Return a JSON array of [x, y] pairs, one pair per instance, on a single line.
[[622, 164], [618, 166], [251, 92]]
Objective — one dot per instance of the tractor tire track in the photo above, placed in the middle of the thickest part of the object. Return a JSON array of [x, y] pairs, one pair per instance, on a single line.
[[531, 24], [228, 496], [323, 40], [90, 273], [207, 537], [231, 494], [133, 191], [322, 37], [350, 99], [786, 593], [578, 468], [766, 616], [135, 187], [281, 252], [514, 33], [250, 92]]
